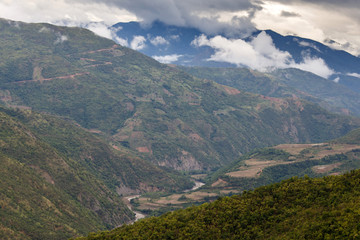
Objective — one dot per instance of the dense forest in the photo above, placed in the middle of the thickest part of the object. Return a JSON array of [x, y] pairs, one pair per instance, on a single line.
[[297, 208]]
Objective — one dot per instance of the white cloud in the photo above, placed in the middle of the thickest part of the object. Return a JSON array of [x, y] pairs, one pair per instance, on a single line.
[[306, 44], [314, 65], [138, 43], [60, 38], [337, 80], [357, 75], [60, 10], [167, 58], [45, 30], [158, 40], [106, 31], [122, 41], [100, 28], [260, 54], [317, 20], [175, 37]]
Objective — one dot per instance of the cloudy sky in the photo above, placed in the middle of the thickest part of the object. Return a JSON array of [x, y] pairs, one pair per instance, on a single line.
[[320, 20], [333, 22]]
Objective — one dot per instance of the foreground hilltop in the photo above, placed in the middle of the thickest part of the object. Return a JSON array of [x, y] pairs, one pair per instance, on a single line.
[[298, 208]]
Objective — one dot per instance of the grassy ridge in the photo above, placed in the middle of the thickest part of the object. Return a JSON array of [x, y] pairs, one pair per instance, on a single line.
[[298, 208]]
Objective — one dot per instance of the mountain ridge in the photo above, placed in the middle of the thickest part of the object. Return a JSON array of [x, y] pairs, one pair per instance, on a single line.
[[340, 66], [163, 113]]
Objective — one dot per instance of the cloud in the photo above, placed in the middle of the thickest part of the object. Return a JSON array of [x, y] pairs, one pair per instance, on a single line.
[[138, 43], [122, 41], [306, 44], [260, 54], [289, 14], [57, 11], [158, 40], [317, 20], [106, 31], [314, 65], [337, 80], [167, 58], [203, 14], [60, 38], [100, 28], [357, 75]]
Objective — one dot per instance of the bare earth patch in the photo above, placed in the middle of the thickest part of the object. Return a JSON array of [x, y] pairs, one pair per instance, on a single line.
[[295, 149], [219, 183], [254, 168], [231, 91], [325, 168], [143, 149]]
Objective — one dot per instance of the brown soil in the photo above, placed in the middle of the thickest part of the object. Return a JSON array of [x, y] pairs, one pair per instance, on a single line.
[[72, 76], [325, 168], [231, 91]]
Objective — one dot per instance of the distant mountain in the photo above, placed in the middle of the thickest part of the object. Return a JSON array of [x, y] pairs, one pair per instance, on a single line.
[[297, 208], [172, 44], [284, 83], [169, 44], [158, 111]]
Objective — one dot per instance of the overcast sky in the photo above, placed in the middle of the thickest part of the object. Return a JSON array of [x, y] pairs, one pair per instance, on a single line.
[[338, 20]]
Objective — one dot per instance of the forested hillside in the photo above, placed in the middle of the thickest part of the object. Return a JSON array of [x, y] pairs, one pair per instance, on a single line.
[[298, 208], [284, 83], [164, 114], [60, 181]]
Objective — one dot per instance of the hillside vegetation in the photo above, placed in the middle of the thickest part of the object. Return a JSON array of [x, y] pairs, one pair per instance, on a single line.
[[262, 167], [59, 181], [286, 83], [162, 113], [298, 208]]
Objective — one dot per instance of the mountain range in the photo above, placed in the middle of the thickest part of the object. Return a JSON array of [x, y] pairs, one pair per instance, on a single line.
[[163, 113], [86, 121], [190, 47]]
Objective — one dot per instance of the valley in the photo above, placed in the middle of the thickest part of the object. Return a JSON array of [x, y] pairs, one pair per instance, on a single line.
[[96, 131]]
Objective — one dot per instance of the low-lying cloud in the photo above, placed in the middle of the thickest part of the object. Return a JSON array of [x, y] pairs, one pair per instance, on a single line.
[[260, 54], [60, 38], [138, 43], [167, 58]]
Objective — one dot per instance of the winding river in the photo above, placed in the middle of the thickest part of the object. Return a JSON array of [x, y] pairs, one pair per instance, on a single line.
[[139, 215]]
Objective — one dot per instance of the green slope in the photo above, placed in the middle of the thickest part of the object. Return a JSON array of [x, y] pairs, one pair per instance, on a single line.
[[305, 208], [58, 180], [352, 137], [285, 83], [270, 165], [166, 115]]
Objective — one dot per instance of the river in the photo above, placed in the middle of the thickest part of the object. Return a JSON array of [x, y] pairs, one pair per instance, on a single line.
[[197, 186], [139, 215]]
